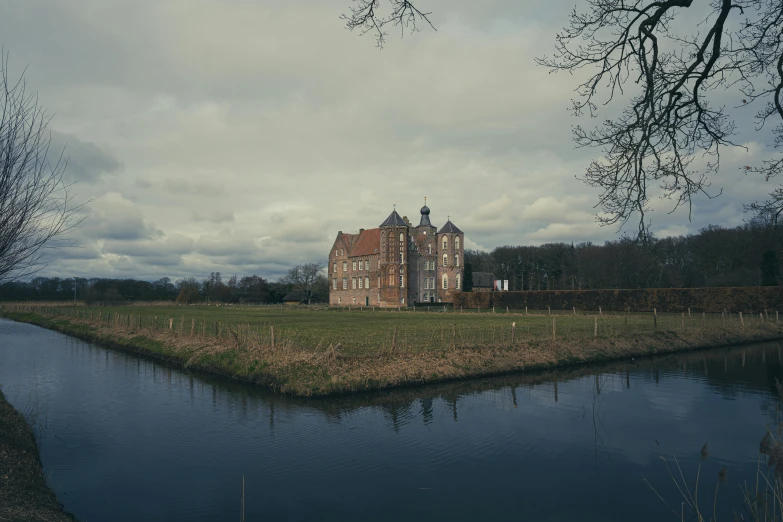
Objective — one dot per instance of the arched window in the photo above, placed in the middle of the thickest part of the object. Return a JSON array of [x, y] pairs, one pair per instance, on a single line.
[[456, 282], [456, 243], [445, 259], [445, 243], [429, 248], [456, 259], [445, 281], [402, 237]]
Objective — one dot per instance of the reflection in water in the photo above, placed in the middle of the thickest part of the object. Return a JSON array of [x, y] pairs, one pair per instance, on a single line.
[[139, 441]]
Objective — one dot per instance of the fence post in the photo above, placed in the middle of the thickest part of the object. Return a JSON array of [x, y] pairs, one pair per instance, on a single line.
[[507, 309], [574, 311], [192, 326], [526, 310], [454, 337], [655, 318], [554, 329], [689, 312], [761, 316], [493, 310], [548, 310], [513, 331], [394, 339], [600, 311], [742, 320], [171, 323], [272, 333]]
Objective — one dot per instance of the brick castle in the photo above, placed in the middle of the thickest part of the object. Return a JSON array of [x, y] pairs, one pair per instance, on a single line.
[[397, 264]]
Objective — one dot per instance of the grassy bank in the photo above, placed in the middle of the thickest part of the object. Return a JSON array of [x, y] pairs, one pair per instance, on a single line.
[[24, 495], [321, 352]]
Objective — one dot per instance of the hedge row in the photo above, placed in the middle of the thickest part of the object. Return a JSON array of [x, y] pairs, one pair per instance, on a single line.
[[711, 300]]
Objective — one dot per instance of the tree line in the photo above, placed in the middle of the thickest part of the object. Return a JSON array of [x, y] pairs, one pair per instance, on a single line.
[[716, 256], [306, 283]]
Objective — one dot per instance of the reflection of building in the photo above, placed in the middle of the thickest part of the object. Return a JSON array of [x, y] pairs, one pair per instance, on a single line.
[[397, 264]]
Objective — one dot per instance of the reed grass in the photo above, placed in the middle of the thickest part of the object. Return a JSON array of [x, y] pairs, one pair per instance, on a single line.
[[24, 495]]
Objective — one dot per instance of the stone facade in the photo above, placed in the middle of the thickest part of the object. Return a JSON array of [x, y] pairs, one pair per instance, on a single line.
[[397, 264]]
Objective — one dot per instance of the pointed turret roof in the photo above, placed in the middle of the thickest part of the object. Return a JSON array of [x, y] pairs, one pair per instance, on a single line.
[[449, 228], [394, 220]]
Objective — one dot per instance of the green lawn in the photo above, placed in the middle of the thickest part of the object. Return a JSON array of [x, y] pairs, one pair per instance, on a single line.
[[362, 331]]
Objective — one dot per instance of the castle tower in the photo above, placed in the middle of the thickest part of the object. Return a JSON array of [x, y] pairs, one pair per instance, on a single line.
[[426, 259], [451, 250], [395, 237]]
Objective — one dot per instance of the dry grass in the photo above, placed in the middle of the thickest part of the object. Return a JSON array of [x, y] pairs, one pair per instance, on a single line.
[[24, 495], [323, 352]]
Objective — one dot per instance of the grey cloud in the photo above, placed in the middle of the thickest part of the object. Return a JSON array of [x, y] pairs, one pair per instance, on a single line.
[[86, 162], [247, 143]]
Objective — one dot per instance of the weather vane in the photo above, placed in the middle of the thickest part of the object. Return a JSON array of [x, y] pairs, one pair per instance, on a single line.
[[425, 201]]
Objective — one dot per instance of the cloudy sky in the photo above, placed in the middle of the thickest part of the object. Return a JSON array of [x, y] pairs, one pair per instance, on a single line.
[[240, 135]]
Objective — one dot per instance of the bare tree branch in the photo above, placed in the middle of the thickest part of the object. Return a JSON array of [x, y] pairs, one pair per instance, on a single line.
[[365, 16], [670, 121], [36, 206]]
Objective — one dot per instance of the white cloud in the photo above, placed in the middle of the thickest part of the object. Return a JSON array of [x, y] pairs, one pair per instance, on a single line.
[[278, 123]]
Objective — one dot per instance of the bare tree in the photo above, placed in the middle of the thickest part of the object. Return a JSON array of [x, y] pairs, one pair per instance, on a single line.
[[36, 206], [671, 119], [304, 278]]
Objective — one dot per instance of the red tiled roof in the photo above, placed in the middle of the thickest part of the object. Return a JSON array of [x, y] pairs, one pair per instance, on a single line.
[[368, 243]]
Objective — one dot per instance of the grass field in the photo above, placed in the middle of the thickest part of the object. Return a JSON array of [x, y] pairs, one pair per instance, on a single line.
[[315, 351]]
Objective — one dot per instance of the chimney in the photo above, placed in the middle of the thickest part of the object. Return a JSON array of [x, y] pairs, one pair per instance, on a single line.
[[361, 230]]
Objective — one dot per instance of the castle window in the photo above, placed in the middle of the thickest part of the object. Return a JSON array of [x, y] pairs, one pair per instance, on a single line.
[[361, 281], [334, 284], [379, 281], [353, 265], [353, 283], [445, 259], [445, 243], [456, 282], [456, 243], [342, 252], [334, 267], [426, 285], [402, 280], [402, 258], [361, 265], [429, 248], [345, 266], [445, 281], [456, 259], [366, 282], [354, 300], [367, 264], [345, 283], [402, 300], [402, 237], [339, 300]]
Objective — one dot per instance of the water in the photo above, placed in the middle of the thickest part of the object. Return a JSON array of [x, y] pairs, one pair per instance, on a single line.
[[127, 439]]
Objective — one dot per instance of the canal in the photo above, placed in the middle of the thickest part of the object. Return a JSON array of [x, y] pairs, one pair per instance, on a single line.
[[127, 439]]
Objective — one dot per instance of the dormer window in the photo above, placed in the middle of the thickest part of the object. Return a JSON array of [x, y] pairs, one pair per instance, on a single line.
[[456, 243]]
